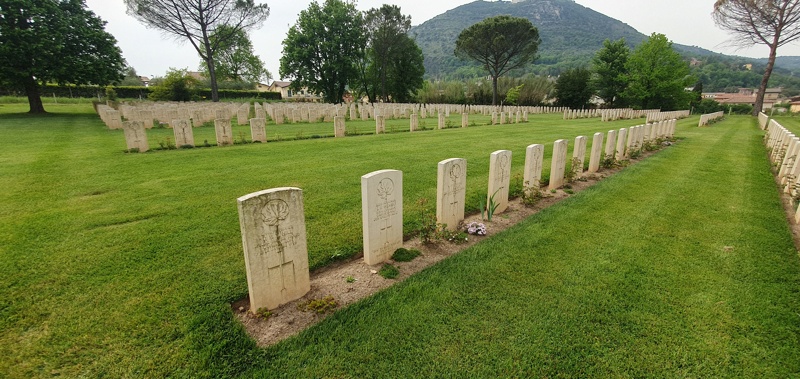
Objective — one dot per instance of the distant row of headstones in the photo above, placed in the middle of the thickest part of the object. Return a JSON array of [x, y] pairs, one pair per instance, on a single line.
[[200, 113], [784, 149], [136, 131], [709, 117], [652, 115], [273, 222]]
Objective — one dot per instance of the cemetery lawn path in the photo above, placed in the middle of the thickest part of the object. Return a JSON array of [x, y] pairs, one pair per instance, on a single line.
[[680, 266]]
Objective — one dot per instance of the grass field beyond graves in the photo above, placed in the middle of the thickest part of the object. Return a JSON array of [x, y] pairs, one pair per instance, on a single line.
[[123, 265]]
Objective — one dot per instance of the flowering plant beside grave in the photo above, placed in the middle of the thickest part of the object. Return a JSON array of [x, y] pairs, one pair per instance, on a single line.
[[476, 228]]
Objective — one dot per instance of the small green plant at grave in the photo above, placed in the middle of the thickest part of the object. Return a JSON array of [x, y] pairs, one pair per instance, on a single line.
[[515, 188], [574, 171], [487, 210], [242, 139], [635, 153], [531, 195], [299, 135], [552, 191], [423, 125], [405, 255], [448, 124], [320, 306], [263, 313], [429, 230], [166, 144], [206, 144], [134, 150], [569, 191], [388, 271], [609, 161], [456, 237], [186, 147], [350, 279], [473, 123]]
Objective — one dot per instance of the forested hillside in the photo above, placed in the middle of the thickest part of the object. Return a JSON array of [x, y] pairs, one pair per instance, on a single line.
[[571, 34]]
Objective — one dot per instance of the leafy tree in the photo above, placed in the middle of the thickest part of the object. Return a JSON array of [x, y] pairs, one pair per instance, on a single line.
[[321, 49], [500, 44], [197, 21], [657, 76], [697, 95], [773, 23], [405, 71], [176, 86], [573, 89], [393, 65], [512, 96], [60, 41], [131, 78], [235, 60], [608, 65]]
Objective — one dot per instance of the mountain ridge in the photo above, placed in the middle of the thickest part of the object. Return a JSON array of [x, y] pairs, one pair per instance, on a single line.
[[571, 34]]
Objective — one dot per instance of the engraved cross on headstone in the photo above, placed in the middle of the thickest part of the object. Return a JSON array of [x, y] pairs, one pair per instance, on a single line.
[[455, 180]]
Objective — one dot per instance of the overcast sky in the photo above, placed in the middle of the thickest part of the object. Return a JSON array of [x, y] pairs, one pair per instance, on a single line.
[[151, 53]]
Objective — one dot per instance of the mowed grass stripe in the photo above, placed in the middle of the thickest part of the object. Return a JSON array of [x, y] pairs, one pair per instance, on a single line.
[[680, 266]]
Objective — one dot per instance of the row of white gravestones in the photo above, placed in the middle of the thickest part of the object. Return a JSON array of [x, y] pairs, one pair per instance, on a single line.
[[619, 144], [572, 114], [707, 118], [164, 114], [666, 116], [273, 223], [136, 133], [763, 120], [784, 148], [624, 113]]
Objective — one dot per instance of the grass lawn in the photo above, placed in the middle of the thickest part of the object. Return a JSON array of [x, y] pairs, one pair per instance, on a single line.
[[122, 265]]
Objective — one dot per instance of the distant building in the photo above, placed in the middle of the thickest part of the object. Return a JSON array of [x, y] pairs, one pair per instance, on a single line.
[[746, 96], [145, 81], [287, 93]]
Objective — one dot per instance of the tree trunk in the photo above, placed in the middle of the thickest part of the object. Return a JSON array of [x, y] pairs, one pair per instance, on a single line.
[[762, 90], [212, 77], [494, 91], [34, 97]]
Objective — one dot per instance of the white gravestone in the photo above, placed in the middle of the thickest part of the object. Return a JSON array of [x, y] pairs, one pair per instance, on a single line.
[[258, 129], [597, 153], [338, 126], [464, 120], [611, 144], [441, 120], [499, 179], [380, 125], [275, 251], [135, 136], [381, 214], [579, 154], [224, 132], [451, 192], [243, 114], [414, 122], [184, 136], [622, 136], [558, 164], [534, 155]]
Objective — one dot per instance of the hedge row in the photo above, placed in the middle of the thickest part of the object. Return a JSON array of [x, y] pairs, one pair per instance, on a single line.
[[136, 92]]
